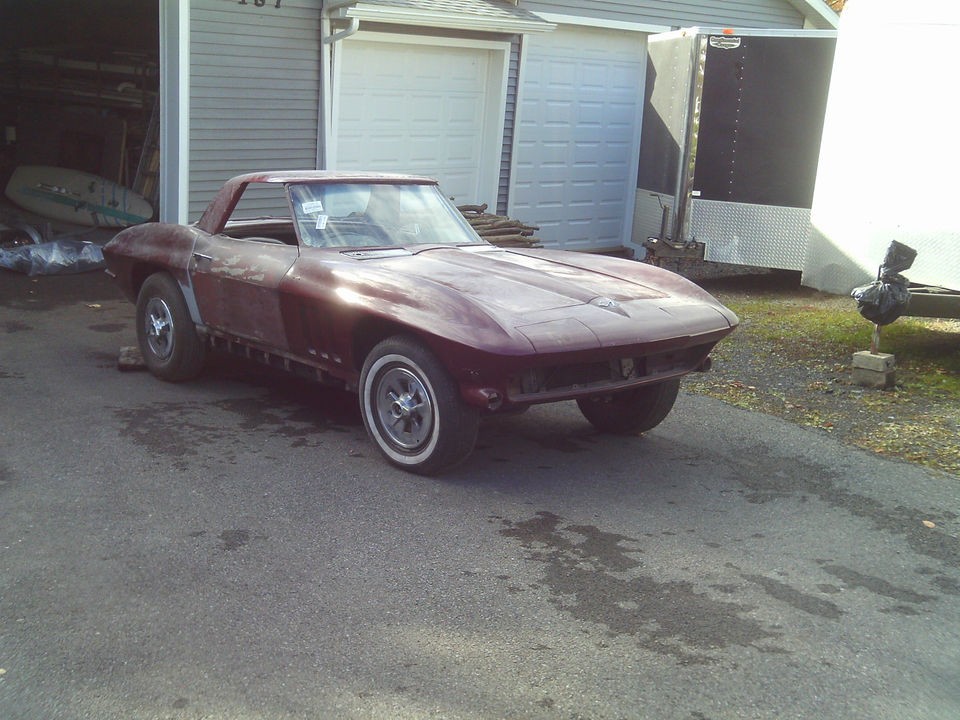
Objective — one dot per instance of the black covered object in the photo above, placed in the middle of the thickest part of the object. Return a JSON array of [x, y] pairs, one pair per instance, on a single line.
[[899, 258], [57, 257], [886, 298]]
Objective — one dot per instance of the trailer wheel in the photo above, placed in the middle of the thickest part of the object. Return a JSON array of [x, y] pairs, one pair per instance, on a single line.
[[631, 412]]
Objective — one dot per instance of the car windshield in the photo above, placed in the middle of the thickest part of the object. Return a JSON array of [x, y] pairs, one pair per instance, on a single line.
[[376, 215]]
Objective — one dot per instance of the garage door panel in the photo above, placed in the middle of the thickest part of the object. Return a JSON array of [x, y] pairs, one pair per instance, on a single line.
[[416, 108], [590, 113], [420, 150], [464, 111], [584, 173], [561, 73], [619, 115], [548, 135], [534, 69], [613, 156], [620, 77], [384, 149], [458, 186], [577, 135], [557, 128], [594, 79]]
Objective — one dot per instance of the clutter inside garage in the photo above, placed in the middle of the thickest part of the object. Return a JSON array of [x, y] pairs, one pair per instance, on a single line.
[[79, 113]]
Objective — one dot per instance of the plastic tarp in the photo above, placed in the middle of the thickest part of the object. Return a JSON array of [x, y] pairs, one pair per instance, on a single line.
[[57, 257]]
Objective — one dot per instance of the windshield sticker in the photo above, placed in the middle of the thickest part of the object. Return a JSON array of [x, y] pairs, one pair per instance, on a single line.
[[322, 222], [312, 207]]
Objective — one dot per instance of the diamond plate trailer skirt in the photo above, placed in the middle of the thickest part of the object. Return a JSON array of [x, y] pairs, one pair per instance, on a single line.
[[743, 234], [735, 233]]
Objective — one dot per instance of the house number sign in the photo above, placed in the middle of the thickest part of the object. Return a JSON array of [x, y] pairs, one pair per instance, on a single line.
[[258, 3]]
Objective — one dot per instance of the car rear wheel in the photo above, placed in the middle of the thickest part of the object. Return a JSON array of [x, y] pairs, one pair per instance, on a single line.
[[171, 348], [412, 408], [631, 412]]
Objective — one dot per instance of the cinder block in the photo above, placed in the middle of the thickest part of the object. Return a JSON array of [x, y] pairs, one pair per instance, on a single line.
[[876, 370], [878, 362]]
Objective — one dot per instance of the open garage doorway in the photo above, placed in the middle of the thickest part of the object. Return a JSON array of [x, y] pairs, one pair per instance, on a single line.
[[79, 87]]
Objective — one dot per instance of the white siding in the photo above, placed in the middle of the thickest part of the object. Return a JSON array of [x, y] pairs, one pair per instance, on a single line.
[[254, 91]]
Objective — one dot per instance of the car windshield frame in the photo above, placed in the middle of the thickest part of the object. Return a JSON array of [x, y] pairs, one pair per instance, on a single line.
[[382, 214]]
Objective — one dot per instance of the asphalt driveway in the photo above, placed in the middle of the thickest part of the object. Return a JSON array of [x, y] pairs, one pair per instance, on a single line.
[[235, 548]]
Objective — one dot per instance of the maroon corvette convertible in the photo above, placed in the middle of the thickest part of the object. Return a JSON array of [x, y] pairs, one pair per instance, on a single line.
[[377, 284]]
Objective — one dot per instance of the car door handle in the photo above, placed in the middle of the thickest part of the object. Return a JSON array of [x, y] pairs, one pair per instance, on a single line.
[[201, 256]]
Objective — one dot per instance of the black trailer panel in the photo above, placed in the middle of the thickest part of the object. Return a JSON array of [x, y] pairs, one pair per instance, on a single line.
[[761, 118]]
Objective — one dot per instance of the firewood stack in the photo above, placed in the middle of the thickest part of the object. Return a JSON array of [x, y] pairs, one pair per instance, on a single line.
[[499, 230]]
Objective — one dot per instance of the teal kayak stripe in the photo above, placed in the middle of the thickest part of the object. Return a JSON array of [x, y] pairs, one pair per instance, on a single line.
[[106, 212]]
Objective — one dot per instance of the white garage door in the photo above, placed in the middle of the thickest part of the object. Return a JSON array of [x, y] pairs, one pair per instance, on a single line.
[[577, 143], [423, 109]]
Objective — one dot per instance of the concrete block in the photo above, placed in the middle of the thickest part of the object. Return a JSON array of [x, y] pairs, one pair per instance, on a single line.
[[876, 370], [878, 362]]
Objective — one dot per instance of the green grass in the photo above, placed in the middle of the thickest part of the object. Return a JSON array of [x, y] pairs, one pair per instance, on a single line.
[[792, 357], [927, 351]]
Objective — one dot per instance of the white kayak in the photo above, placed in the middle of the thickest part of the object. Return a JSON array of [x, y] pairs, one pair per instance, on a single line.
[[76, 197]]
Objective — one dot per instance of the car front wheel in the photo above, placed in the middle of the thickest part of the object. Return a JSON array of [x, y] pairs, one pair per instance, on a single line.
[[168, 339], [631, 412], [412, 408]]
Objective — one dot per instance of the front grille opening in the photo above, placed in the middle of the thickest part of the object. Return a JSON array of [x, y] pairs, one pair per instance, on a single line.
[[605, 373], [572, 377]]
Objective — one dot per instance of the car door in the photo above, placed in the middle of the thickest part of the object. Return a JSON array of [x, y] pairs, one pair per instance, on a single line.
[[236, 283]]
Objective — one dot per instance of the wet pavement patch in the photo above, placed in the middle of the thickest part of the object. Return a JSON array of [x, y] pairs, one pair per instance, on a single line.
[[947, 585], [103, 359], [804, 480], [49, 292], [181, 430], [852, 579], [234, 539], [6, 477], [596, 576], [172, 429], [14, 326], [795, 598], [301, 399], [108, 327]]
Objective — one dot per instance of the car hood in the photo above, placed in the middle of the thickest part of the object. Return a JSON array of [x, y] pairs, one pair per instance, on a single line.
[[520, 284], [553, 299]]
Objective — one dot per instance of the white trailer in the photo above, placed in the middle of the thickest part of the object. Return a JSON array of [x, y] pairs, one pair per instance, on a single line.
[[889, 155]]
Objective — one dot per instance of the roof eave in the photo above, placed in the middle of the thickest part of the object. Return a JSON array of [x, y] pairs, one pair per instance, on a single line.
[[817, 13], [452, 21]]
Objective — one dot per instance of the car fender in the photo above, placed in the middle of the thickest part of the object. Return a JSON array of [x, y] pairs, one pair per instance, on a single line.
[[138, 251], [353, 293]]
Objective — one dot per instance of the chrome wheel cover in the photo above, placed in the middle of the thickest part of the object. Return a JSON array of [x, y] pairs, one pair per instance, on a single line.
[[158, 324], [403, 408]]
